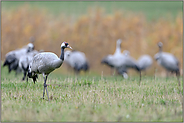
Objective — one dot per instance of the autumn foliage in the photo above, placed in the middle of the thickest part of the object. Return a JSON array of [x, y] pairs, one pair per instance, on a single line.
[[95, 34]]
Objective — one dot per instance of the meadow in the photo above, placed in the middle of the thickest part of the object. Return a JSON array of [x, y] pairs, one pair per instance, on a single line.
[[93, 28], [91, 98]]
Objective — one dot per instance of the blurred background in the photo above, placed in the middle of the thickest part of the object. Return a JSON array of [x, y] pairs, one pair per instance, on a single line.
[[93, 28]]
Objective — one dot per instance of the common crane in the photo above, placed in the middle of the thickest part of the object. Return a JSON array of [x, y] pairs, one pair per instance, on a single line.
[[44, 63]]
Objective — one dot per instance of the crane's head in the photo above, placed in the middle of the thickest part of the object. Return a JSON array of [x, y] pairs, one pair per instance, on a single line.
[[119, 41], [30, 47], [65, 45], [160, 44]]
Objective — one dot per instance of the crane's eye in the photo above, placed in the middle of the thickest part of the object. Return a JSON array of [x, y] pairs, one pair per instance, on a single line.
[[66, 44]]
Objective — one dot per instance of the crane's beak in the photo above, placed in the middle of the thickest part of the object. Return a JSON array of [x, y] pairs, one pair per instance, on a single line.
[[69, 47]]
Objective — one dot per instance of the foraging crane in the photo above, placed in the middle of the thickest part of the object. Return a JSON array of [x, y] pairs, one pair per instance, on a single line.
[[167, 61], [121, 61], [44, 63], [144, 62], [77, 60], [12, 57]]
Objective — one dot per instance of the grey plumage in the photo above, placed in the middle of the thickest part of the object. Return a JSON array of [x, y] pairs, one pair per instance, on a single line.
[[25, 60], [77, 60], [12, 57], [117, 53], [44, 63], [144, 62], [120, 61], [167, 61]]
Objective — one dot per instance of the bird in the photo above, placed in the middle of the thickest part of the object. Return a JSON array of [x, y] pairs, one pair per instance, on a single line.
[[77, 60], [120, 61], [25, 60], [117, 53], [12, 57], [118, 48], [123, 61], [44, 63], [144, 62], [167, 61]]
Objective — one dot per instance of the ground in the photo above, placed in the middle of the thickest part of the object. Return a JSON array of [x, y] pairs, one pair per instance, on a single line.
[[91, 98]]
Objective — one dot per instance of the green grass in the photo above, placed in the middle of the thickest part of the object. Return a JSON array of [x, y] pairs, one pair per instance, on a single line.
[[152, 10], [90, 98]]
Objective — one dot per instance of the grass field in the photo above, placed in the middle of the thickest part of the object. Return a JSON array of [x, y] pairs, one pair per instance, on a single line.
[[90, 98], [151, 9]]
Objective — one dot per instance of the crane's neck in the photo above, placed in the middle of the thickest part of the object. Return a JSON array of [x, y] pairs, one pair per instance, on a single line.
[[118, 48], [160, 49], [62, 54]]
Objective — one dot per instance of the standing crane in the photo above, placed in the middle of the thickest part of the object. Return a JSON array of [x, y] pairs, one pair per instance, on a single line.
[[44, 63], [168, 61]]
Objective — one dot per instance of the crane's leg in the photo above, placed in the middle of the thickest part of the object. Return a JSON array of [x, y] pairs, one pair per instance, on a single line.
[[46, 89], [114, 71], [154, 73], [27, 78], [24, 76], [45, 86], [9, 69], [178, 75], [140, 79], [167, 75]]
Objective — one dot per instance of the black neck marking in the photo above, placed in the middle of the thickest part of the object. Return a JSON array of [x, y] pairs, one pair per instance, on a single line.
[[62, 54]]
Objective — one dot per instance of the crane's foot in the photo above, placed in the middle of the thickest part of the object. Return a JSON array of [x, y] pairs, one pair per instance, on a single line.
[[42, 98]]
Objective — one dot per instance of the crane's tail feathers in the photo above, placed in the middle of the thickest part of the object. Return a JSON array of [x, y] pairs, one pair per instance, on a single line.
[[86, 66], [5, 63], [9, 60], [14, 65], [137, 68], [34, 77]]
